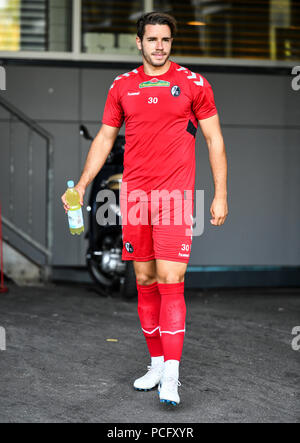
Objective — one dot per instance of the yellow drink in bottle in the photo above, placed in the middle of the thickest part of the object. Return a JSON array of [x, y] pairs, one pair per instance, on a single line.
[[75, 216]]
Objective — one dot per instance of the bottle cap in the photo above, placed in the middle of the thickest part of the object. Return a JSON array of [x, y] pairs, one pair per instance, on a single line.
[[71, 184]]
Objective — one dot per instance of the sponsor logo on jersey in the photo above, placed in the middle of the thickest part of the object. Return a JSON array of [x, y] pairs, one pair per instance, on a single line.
[[133, 93], [129, 247], [155, 83], [175, 91]]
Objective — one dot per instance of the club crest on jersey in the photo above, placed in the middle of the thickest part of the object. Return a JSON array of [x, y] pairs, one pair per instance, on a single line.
[[129, 247], [175, 91], [155, 83]]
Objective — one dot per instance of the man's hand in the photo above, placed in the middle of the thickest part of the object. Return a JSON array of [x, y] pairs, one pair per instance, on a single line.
[[81, 191], [98, 153], [219, 211]]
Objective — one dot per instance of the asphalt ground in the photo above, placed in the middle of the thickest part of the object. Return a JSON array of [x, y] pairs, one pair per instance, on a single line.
[[59, 367]]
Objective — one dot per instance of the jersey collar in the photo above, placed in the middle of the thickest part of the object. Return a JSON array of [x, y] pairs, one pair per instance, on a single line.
[[162, 76]]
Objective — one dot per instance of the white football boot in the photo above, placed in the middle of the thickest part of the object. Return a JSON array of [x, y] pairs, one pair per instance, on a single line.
[[150, 380], [168, 390]]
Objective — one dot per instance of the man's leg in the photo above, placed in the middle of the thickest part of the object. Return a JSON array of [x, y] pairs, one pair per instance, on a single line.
[[145, 272], [149, 304], [138, 247], [170, 277], [149, 313]]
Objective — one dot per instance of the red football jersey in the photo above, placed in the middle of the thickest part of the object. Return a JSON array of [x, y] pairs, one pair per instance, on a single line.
[[161, 116]]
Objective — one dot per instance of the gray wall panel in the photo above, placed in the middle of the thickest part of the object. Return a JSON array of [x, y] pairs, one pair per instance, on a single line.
[[95, 87], [263, 156], [291, 209], [292, 105], [244, 99], [4, 167], [39, 198], [259, 199], [3, 113], [44, 93], [20, 138], [66, 164]]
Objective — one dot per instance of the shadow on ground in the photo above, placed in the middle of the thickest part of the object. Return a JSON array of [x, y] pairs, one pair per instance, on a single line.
[[238, 363]]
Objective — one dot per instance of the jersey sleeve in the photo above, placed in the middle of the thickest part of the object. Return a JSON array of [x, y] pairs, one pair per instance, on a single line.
[[204, 103], [113, 114]]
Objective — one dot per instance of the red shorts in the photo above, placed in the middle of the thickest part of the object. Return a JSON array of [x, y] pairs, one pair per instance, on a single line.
[[157, 230]]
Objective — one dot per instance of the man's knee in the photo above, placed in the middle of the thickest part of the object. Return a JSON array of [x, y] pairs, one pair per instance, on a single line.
[[145, 273], [145, 280], [170, 273], [170, 278]]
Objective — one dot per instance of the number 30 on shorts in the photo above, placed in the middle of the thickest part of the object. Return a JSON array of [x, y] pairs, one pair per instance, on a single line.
[[185, 248]]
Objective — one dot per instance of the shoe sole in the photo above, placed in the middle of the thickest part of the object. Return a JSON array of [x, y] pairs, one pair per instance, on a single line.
[[145, 390], [169, 402]]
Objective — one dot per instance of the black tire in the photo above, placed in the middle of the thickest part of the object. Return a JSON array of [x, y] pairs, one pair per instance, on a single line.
[[129, 289], [105, 286]]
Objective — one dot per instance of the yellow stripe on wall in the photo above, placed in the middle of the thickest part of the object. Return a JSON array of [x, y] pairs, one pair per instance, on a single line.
[[10, 32]]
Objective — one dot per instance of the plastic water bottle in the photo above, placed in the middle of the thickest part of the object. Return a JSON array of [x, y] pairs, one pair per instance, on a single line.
[[75, 216]]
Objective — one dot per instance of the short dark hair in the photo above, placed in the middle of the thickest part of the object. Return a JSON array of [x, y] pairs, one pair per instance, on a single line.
[[156, 18]]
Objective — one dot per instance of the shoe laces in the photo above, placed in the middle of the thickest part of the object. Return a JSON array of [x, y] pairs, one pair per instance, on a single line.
[[153, 369], [172, 382]]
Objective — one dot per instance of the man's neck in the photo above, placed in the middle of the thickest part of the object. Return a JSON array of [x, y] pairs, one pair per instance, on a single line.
[[156, 70]]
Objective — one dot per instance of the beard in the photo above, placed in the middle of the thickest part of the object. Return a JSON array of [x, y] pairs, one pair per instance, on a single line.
[[152, 62]]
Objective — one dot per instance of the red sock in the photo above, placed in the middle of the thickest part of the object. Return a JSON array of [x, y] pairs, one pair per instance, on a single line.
[[172, 319], [148, 310]]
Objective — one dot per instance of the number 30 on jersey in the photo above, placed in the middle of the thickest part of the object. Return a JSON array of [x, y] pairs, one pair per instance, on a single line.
[[153, 100]]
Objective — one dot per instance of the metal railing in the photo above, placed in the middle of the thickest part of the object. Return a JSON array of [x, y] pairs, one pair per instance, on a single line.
[[34, 128]]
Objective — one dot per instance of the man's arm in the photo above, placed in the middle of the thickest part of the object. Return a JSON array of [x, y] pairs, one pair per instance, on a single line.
[[217, 156], [98, 153]]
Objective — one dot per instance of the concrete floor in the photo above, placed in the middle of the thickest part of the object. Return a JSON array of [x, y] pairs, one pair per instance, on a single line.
[[238, 364]]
